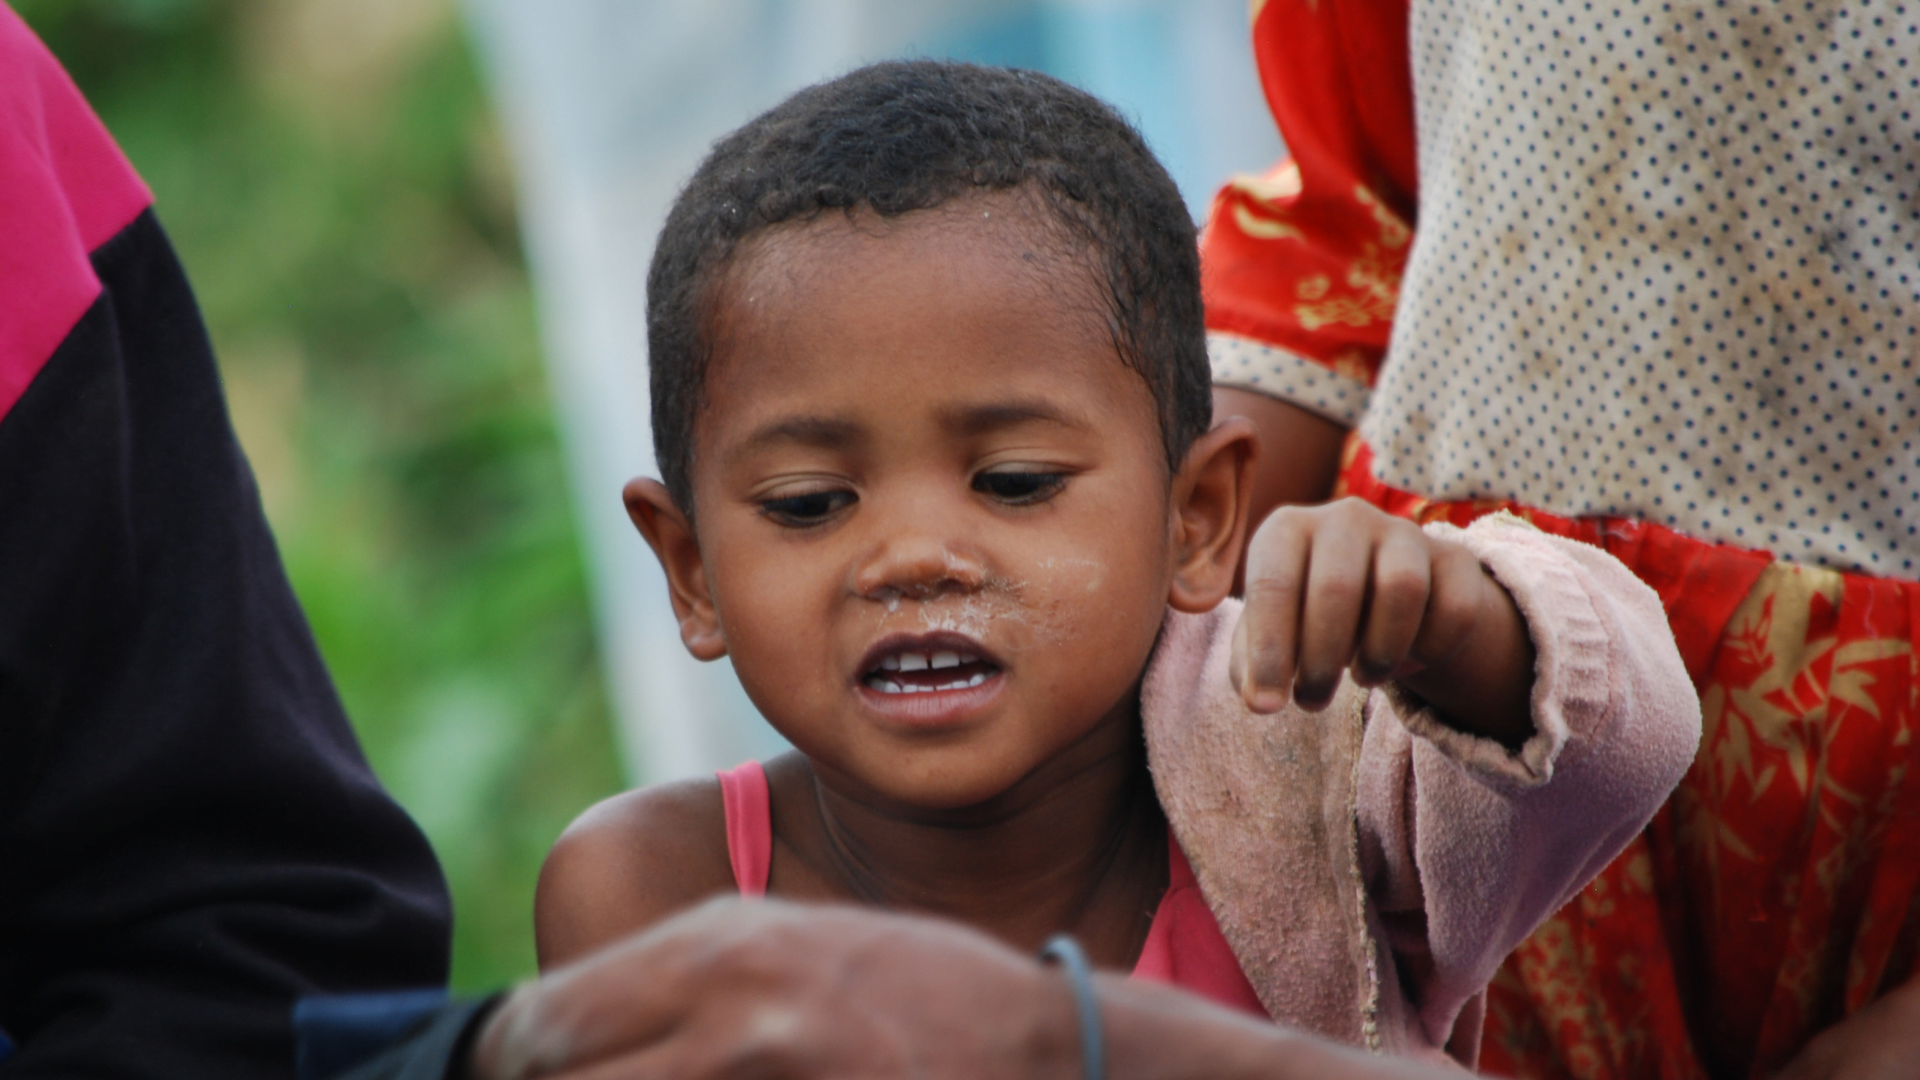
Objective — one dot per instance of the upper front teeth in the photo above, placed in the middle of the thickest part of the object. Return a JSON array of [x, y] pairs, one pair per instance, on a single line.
[[919, 661]]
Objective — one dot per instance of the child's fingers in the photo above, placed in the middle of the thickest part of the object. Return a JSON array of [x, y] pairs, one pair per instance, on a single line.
[[1396, 605], [1337, 573], [1264, 642], [1458, 589], [1237, 663]]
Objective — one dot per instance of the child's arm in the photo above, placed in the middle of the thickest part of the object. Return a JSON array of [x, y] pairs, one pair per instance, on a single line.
[[627, 863], [1470, 837]]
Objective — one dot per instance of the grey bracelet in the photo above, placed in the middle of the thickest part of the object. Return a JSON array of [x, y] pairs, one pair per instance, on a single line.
[[1063, 950]]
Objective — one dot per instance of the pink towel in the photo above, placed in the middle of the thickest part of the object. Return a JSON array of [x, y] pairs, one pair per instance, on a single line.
[[1341, 849]]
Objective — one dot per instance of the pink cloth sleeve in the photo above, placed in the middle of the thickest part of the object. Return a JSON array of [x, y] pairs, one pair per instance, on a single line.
[[1466, 846]]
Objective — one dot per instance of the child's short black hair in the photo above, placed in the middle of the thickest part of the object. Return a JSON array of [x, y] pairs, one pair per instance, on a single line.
[[911, 135]]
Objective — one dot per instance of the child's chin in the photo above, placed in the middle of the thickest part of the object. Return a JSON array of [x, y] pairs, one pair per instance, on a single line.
[[945, 779], [954, 792]]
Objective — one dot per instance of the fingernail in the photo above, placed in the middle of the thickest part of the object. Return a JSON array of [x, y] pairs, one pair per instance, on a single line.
[[1312, 700], [1268, 701]]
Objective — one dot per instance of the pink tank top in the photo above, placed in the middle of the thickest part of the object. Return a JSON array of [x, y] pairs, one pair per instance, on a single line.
[[1184, 945]]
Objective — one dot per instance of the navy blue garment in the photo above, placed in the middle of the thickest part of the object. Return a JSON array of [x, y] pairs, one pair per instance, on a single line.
[[190, 838], [411, 1035]]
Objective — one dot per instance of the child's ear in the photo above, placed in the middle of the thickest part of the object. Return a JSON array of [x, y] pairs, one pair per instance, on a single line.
[[1211, 497], [671, 536]]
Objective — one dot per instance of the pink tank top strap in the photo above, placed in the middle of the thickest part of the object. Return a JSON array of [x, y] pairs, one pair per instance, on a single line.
[[1185, 947], [749, 808]]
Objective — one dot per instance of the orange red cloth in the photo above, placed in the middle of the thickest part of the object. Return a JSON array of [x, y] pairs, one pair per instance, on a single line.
[[1309, 255]]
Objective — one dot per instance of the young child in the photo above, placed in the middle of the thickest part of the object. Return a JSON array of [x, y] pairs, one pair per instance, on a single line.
[[931, 406]]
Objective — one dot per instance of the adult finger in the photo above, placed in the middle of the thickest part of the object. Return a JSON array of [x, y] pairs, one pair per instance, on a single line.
[[1396, 604], [665, 1062], [757, 1048], [1337, 572], [547, 1028], [1268, 634], [625, 997]]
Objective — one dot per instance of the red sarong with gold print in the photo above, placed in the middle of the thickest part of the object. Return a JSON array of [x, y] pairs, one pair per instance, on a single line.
[[1779, 888]]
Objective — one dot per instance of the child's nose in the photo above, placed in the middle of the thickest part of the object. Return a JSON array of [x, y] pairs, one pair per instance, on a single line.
[[920, 567]]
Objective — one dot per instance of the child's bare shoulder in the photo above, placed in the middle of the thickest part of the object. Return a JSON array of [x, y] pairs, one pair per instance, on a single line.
[[629, 862]]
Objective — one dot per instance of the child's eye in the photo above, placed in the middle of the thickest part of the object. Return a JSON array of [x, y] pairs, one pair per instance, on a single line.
[[1019, 486], [808, 509]]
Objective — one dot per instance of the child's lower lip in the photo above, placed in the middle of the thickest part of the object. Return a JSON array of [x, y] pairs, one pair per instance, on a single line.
[[932, 708]]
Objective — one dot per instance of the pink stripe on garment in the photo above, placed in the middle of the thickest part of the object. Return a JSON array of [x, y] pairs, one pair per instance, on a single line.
[[1185, 947], [749, 809], [65, 189]]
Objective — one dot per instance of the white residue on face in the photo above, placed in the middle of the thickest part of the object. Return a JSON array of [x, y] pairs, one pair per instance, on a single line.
[[998, 600], [1095, 572]]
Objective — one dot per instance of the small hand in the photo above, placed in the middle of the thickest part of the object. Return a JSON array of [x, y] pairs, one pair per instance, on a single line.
[[1880, 1042], [1346, 585]]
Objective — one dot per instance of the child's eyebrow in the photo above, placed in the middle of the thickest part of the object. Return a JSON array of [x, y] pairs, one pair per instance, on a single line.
[[981, 419], [832, 432], [825, 432]]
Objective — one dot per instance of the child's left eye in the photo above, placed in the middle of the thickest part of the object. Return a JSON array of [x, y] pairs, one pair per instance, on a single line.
[[1018, 487]]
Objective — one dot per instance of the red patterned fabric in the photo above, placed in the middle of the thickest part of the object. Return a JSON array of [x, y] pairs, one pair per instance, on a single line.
[[1779, 888], [1309, 256]]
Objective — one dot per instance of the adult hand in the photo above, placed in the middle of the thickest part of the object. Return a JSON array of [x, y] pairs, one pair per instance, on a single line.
[[1880, 1042], [768, 989], [1348, 585], [771, 990]]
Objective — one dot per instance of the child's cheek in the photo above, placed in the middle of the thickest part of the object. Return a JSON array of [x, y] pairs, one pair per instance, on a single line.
[[773, 619], [1076, 576]]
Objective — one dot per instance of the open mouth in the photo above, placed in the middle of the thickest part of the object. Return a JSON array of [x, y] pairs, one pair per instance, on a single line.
[[926, 671]]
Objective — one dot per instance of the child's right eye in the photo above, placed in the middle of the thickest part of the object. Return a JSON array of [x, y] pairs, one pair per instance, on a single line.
[[807, 509]]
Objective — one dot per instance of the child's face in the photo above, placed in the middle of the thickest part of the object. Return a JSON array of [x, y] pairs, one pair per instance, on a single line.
[[935, 526]]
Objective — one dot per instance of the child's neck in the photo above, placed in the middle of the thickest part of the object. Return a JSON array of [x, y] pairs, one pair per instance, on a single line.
[[1079, 845]]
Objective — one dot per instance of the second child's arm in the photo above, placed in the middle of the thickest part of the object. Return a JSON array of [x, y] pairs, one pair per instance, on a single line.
[[1347, 586]]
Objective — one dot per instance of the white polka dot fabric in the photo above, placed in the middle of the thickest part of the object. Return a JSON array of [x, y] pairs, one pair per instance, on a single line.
[[1254, 365], [1666, 268]]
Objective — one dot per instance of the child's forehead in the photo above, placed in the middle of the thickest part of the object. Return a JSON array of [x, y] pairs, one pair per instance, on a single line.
[[1013, 227], [987, 261], [935, 311]]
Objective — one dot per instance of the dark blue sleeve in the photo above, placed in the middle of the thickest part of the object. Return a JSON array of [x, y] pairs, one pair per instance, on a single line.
[[410, 1035], [190, 839]]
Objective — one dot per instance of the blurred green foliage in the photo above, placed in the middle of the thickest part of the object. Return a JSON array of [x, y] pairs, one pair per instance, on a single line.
[[333, 179]]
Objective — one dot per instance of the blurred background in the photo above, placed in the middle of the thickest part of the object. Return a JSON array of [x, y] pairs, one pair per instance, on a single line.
[[358, 189]]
